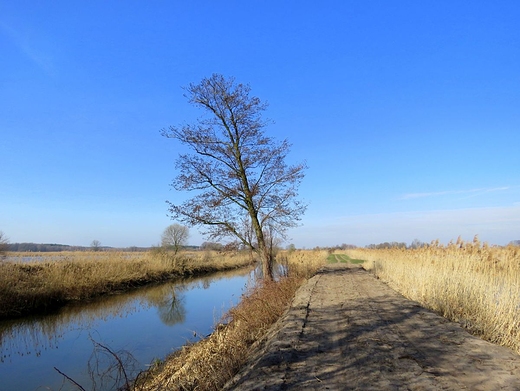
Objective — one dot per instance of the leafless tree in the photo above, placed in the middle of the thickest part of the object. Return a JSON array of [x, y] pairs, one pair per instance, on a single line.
[[95, 245], [239, 174], [175, 236], [4, 244]]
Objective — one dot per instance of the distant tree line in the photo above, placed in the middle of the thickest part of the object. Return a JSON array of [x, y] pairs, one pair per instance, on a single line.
[[292, 247], [211, 246], [416, 243], [53, 247], [386, 245], [42, 247]]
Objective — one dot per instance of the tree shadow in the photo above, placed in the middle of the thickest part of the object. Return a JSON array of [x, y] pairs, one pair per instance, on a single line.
[[374, 338]]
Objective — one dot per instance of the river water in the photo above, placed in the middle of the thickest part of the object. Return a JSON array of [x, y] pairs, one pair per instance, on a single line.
[[140, 326]]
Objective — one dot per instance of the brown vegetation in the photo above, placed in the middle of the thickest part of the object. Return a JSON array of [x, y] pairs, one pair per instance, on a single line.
[[27, 287], [208, 364], [303, 262], [470, 283], [211, 362]]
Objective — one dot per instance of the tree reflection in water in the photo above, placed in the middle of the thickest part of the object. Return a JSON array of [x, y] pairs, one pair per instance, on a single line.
[[170, 303], [33, 335], [148, 322]]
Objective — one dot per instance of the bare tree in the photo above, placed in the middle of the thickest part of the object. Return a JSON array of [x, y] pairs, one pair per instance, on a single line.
[[95, 245], [240, 174], [4, 244], [175, 236]]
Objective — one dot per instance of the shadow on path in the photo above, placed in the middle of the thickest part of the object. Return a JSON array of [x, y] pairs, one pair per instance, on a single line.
[[346, 330]]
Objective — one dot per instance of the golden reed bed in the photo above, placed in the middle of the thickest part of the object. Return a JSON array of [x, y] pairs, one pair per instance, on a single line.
[[467, 282], [51, 279]]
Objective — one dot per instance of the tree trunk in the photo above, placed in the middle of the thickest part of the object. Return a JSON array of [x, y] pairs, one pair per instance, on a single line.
[[263, 250], [267, 262]]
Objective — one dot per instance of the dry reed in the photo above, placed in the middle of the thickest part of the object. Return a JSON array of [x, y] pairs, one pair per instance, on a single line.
[[26, 287], [303, 263], [211, 362], [470, 283]]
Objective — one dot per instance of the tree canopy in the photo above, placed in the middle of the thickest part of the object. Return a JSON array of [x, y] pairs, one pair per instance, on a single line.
[[175, 236]]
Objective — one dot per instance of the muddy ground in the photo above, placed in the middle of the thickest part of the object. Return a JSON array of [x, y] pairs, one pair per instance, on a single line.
[[347, 330]]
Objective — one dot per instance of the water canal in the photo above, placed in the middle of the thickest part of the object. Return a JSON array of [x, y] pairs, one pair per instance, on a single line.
[[148, 323]]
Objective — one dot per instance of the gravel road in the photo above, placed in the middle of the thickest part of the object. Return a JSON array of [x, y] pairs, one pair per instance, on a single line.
[[347, 330]]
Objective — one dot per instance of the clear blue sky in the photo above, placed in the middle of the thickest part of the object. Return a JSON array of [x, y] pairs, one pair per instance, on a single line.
[[407, 113]]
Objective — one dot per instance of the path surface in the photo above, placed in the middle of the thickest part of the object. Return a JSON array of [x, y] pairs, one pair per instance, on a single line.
[[346, 330]]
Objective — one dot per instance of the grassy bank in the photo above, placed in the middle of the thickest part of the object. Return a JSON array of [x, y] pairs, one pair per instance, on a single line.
[[343, 258], [470, 283], [208, 364], [211, 362], [35, 286]]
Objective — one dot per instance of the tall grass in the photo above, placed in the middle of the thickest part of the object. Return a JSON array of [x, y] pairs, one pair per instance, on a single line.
[[303, 263], [27, 287], [211, 362], [467, 282]]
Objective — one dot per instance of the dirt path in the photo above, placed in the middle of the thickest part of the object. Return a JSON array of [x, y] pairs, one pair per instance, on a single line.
[[346, 330]]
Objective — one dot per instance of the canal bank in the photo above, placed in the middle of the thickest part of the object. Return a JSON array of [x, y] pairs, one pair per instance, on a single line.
[[142, 325]]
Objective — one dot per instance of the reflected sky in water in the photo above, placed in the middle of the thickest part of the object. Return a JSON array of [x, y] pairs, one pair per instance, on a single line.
[[149, 323]]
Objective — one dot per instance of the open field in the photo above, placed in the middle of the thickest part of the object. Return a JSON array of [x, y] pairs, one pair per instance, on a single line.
[[470, 283], [27, 287]]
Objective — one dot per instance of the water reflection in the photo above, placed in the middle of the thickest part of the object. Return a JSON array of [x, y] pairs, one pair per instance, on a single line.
[[169, 301], [148, 322], [32, 335]]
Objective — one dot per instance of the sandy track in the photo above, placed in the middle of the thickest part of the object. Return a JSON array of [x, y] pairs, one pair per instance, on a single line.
[[346, 330]]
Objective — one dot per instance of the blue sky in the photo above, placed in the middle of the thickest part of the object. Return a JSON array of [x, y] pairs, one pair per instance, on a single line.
[[406, 112]]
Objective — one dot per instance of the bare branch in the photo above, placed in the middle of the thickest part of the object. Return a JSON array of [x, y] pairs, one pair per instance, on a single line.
[[242, 182], [69, 379]]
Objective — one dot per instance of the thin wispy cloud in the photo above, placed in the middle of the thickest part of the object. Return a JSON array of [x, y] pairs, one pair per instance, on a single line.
[[410, 196], [31, 45]]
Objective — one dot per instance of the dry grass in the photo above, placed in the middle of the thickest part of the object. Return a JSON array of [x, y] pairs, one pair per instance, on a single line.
[[303, 263], [211, 362], [470, 283], [26, 287]]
